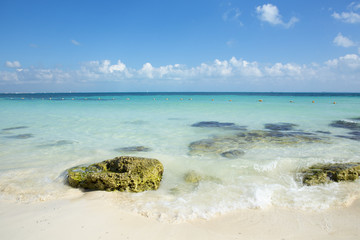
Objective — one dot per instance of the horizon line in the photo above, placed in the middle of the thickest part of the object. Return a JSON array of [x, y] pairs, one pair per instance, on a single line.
[[70, 92]]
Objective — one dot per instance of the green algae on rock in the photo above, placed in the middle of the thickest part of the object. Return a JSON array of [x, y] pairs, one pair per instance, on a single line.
[[335, 172], [132, 174]]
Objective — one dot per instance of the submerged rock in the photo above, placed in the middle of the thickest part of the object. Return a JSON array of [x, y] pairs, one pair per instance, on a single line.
[[355, 137], [14, 128], [280, 126], [195, 177], [326, 173], [233, 154], [214, 124], [133, 174], [324, 132], [22, 136], [225, 145], [355, 133], [192, 177], [192, 180], [133, 149], [348, 124]]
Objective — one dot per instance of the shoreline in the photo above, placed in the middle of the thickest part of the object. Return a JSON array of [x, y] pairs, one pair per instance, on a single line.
[[93, 217]]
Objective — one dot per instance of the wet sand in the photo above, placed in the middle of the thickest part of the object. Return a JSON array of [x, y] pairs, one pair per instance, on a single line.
[[93, 216]]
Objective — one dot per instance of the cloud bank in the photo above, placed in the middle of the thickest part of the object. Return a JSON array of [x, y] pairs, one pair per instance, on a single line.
[[234, 74]]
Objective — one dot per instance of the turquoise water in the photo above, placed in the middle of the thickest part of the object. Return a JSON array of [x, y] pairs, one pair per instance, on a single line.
[[42, 135]]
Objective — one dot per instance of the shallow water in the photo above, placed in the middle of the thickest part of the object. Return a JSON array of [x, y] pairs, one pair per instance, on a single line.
[[42, 135]]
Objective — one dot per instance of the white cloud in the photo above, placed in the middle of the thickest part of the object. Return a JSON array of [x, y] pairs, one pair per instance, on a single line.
[[349, 61], [348, 17], [270, 13], [76, 43], [343, 41], [352, 16], [227, 74], [120, 67], [289, 69], [245, 68], [147, 70], [14, 64], [96, 69], [8, 77]]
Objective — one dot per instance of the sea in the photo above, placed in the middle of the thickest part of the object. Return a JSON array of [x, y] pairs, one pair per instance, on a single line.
[[246, 150]]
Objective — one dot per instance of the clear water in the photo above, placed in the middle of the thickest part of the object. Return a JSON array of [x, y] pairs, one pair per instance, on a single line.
[[48, 136]]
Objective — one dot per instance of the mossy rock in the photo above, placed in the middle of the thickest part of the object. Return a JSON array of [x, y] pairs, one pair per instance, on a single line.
[[132, 174], [326, 173]]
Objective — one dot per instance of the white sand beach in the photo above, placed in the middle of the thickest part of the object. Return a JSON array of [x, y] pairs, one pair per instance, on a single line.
[[93, 217]]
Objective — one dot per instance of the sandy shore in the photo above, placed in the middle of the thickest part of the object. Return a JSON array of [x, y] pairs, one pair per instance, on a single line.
[[93, 217]]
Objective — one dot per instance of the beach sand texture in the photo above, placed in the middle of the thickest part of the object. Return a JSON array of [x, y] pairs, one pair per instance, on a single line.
[[91, 217]]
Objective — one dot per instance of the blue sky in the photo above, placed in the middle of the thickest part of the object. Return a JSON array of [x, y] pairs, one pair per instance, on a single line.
[[204, 45]]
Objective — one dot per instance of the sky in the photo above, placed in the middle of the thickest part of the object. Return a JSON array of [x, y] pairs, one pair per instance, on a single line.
[[175, 46]]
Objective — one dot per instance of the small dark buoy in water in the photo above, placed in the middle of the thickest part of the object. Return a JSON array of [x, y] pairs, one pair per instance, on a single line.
[[260, 100], [291, 101], [334, 102]]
